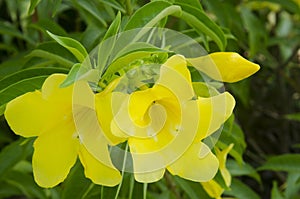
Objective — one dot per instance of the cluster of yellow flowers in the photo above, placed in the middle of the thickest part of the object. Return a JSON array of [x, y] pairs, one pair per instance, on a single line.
[[164, 125]]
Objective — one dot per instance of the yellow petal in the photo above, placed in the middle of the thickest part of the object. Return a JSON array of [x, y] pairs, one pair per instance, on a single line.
[[159, 151], [90, 132], [139, 104], [175, 76], [28, 115], [214, 111], [54, 155], [225, 66], [144, 113], [191, 167], [99, 173], [222, 156], [51, 90], [104, 110], [178, 63], [149, 177], [213, 189]]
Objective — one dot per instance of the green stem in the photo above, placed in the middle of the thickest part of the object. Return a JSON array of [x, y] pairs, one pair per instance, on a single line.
[[129, 7], [102, 189], [123, 169], [145, 191], [131, 186]]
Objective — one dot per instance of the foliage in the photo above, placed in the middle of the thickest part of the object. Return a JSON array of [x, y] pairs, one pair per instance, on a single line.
[[40, 37]]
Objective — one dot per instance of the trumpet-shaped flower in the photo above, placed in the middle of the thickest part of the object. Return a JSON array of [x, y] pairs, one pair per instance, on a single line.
[[166, 124], [48, 115]]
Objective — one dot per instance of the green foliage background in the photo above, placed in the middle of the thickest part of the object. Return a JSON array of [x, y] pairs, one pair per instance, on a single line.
[[265, 160]]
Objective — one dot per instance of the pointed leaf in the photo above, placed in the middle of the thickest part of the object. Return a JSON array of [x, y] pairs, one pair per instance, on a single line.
[[28, 73], [33, 4], [72, 45], [241, 190], [242, 169], [286, 162], [151, 13], [11, 155], [199, 20], [275, 193]]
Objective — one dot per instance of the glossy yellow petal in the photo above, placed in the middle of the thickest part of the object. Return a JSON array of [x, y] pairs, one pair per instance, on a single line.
[[104, 110], [99, 173], [55, 153], [28, 115], [178, 63], [175, 76], [222, 156], [191, 167], [225, 66], [155, 143], [51, 90], [157, 152], [213, 189], [214, 111], [149, 177], [145, 112]]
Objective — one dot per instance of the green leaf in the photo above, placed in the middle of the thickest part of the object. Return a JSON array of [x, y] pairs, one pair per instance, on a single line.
[[256, 30], [150, 14], [193, 189], [72, 45], [292, 185], [294, 116], [232, 133], [45, 24], [90, 8], [25, 183], [236, 169], [48, 55], [198, 20], [72, 76], [20, 88], [108, 43], [286, 162], [92, 36], [127, 60], [193, 3], [241, 190], [28, 73], [33, 4], [24, 81], [54, 52], [241, 90], [12, 154], [76, 181], [12, 65], [275, 193], [204, 90], [114, 4], [10, 30], [56, 6], [227, 16], [8, 191], [114, 27], [137, 46]]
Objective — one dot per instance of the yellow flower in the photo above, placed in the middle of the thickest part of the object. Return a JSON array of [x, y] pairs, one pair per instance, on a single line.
[[48, 115], [165, 125]]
